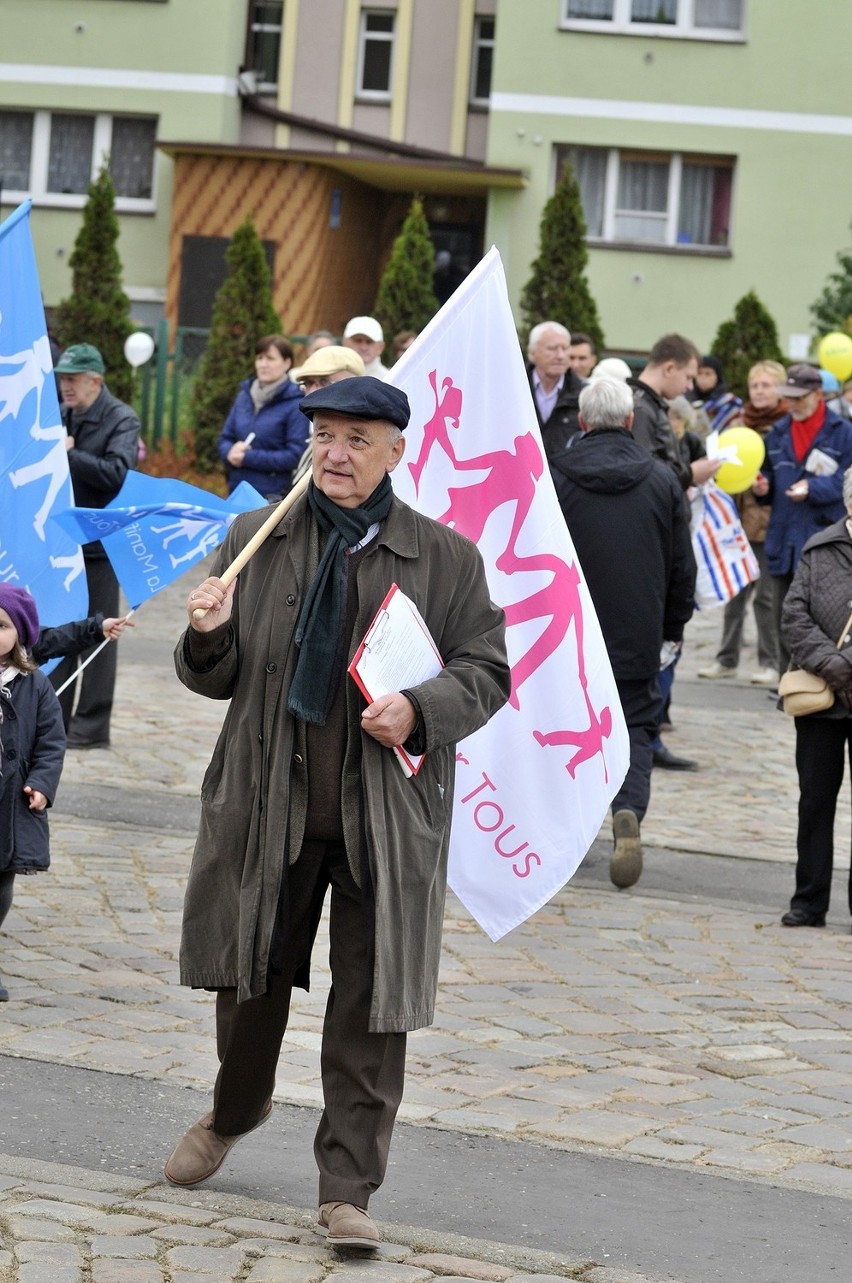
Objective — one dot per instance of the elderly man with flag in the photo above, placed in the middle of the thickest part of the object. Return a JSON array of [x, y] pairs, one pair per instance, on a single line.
[[304, 792]]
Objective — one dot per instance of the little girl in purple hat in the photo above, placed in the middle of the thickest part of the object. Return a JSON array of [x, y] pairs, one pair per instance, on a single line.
[[32, 747]]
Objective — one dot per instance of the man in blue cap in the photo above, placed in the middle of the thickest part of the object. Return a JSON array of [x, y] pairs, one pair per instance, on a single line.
[[103, 442], [304, 793]]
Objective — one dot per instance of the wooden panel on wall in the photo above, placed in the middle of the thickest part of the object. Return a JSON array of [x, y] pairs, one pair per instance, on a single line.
[[329, 230]]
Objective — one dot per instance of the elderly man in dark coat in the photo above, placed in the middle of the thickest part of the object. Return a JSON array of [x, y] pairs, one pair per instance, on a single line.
[[554, 385], [627, 518], [103, 443], [304, 792]]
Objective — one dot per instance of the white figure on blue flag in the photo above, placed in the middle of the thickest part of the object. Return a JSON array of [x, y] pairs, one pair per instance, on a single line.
[[146, 551], [34, 477]]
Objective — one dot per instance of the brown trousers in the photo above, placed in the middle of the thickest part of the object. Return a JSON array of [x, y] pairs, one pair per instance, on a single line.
[[363, 1073]]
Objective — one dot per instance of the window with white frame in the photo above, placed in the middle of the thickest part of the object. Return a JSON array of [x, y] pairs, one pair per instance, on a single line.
[[698, 19], [263, 53], [375, 54], [53, 156], [673, 199], [483, 58]]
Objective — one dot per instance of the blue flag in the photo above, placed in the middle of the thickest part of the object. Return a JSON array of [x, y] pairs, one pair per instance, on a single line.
[[34, 477], [156, 528]]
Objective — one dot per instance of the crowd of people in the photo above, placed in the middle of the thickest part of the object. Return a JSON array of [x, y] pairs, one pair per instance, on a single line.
[[301, 796], [617, 455]]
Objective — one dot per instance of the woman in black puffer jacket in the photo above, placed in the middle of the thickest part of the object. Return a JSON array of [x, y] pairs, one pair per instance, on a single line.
[[816, 611]]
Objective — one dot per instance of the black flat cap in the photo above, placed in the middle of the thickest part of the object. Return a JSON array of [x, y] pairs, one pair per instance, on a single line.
[[363, 398]]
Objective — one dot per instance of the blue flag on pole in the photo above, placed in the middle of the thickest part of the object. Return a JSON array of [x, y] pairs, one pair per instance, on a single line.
[[34, 477], [156, 528]]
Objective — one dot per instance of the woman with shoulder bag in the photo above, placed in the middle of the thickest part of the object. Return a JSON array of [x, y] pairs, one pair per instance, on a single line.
[[816, 624]]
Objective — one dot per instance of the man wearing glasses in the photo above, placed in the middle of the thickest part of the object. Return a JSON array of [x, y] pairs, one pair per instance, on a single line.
[[327, 365]]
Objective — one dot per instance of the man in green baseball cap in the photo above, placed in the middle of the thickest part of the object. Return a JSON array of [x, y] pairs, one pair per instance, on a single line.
[[80, 358], [102, 442]]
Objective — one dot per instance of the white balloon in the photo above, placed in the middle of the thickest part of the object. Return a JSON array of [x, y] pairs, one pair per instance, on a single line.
[[139, 348]]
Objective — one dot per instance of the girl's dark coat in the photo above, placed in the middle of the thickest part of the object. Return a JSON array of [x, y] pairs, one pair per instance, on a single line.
[[33, 741]]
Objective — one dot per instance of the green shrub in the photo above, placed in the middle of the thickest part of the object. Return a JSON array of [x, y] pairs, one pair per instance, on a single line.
[[557, 289], [751, 336], [242, 314], [406, 299], [97, 310]]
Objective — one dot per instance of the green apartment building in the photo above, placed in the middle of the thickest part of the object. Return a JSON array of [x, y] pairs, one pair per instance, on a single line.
[[320, 118], [92, 78], [712, 141]]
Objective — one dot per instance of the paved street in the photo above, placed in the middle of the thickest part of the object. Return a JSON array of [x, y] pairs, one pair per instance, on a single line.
[[676, 1025]]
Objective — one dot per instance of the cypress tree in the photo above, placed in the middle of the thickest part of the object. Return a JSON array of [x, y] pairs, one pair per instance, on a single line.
[[751, 336], [557, 289], [833, 309], [406, 299], [97, 310], [242, 314]]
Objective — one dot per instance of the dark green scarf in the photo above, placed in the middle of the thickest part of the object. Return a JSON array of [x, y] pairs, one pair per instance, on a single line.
[[319, 632]]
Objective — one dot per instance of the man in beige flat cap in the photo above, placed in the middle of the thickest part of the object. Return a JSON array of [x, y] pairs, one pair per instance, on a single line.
[[327, 365]]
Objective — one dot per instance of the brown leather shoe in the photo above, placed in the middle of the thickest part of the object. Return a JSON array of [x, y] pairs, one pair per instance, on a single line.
[[346, 1225], [200, 1152]]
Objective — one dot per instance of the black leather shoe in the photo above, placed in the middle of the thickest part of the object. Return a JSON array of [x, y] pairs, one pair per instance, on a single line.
[[665, 758], [801, 918], [75, 741]]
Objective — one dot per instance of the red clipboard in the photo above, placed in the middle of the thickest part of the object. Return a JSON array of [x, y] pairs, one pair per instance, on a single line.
[[422, 657]]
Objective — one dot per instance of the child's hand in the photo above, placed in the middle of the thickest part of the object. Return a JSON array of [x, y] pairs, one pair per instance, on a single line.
[[37, 800], [113, 628]]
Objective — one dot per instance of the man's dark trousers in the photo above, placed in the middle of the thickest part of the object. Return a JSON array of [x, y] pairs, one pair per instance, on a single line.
[[640, 702], [96, 683], [363, 1073]]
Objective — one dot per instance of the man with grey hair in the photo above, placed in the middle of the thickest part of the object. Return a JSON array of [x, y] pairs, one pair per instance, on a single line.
[[555, 387], [317, 801], [625, 513]]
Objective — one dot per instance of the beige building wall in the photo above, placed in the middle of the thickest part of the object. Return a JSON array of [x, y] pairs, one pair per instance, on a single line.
[[431, 79], [429, 104], [320, 33]]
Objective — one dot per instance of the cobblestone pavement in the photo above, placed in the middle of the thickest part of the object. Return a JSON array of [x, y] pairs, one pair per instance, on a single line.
[[61, 1225], [691, 1034]]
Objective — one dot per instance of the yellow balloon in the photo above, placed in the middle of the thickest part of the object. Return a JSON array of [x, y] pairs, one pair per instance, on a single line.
[[835, 354], [733, 478]]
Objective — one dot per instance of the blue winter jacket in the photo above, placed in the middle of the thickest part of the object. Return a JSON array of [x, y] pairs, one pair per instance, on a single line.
[[281, 431], [793, 522]]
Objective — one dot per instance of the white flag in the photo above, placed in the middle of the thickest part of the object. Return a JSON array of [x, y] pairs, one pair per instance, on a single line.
[[534, 785]]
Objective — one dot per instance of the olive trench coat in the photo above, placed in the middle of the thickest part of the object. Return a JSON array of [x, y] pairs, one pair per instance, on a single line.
[[254, 794]]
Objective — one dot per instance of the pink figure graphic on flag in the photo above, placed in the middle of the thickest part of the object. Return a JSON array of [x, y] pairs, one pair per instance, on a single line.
[[590, 741], [557, 602], [512, 477], [447, 406]]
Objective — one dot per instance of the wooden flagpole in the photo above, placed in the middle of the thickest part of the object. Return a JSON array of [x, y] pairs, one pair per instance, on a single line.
[[260, 536]]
